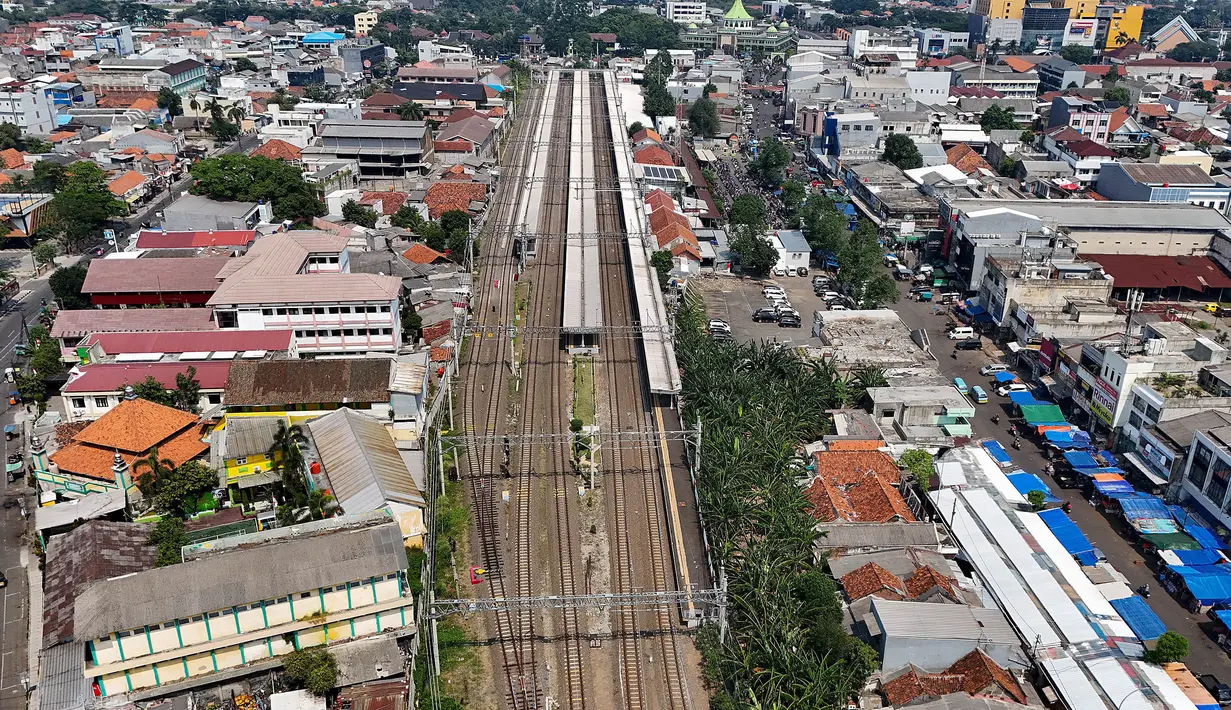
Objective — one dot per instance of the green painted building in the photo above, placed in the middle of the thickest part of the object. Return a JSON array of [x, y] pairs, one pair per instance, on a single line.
[[739, 32]]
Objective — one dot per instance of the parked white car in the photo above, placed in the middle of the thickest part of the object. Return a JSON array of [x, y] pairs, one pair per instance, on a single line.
[[1004, 390]]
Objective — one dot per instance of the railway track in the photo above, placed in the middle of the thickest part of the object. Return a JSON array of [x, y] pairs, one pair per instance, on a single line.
[[484, 400], [632, 476], [544, 410]]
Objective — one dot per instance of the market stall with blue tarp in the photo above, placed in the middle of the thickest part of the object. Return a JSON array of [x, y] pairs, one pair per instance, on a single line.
[[1203, 586], [1112, 488], [1191, 558], [1043, 415], [1139, 617], [1077, 459], [997, 451], [1066, 531], [1139, 507], [1026, 482], [1204, 537], [1025, 399], [1224, 615], [1066, 440], [1005, 377], [1100, 471], [1089, 558]]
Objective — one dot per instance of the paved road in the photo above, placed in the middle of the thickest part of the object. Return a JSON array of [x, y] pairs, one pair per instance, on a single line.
[[13, 620], [1102, 530]]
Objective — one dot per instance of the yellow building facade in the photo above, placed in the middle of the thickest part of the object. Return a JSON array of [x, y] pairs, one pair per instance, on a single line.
[[1124, 24]]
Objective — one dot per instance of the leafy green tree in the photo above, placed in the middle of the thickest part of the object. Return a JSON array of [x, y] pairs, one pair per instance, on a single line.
[[756, 256], [1007, 167], [1027, 137], [176, 490], [223, 130], [362, 215], [244, 64], [708, 89], [319, 93], [187, 392], [408, 218], [66, 283], [48, 176], [171, 101], [657, 102], [314, 668], [242, 178], [900, 150], [10, 135], [703, 118], [152, 390], [456, 227], [45, 356], [169, 537], [748, 208], [45, 253], [998, 118], [859, 270], [634, 127], [1119, 94], [823, 226], [1036, 499], [285, 101], [36, 146], [30, 387], [411, 111], [1077, 53], [662, 263], [83, 205], [919, 463], [1194, 52], [793, 193], [1171, 647], [772, 159]]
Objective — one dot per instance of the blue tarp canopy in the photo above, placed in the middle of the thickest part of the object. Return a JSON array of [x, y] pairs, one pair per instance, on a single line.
[[1000, 376], [997, 451], [1204, 537], [1088, 558], [1140, 508], [1076, 459], [1066, 531], [1224, 615], [983, 317], [1026, 482], [977, 310], [1207, 588], [1111, 487], [1139, 617], [1108, 469], [1020, 398], [846, 208], [1190, 558]]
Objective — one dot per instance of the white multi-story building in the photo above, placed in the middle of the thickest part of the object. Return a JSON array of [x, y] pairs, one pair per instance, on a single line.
[[432, 51], [29, 109], [301, 281], [686, 12]]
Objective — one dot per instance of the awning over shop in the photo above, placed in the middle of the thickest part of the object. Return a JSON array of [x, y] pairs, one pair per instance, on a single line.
[[1173, 541], [1003, 377], [1204, 537], [1208, 585], [1066, 531], [975, 310], [1144, 468], [1026, 482], [1023, 399], [1095, 473], [997, 451], [1224, 615], [1139, 617], [1038, 414], [1067, 438], [1190, 558]]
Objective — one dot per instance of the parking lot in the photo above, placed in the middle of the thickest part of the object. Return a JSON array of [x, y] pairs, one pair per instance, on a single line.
[[734, 299]]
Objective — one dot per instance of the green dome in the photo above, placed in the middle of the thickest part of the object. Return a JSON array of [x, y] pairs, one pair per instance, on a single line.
[[707, 21], [784, 25], [737, 12], [692, 26], [771, 30]]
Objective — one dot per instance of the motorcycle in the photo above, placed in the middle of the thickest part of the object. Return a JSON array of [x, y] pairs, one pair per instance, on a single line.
[[1017, 443], [1144, 591], [995, 419]]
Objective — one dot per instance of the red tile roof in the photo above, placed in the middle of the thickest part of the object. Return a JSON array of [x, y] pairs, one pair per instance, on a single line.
[[278, 150], [964, 158], [383, 99], [849, 466], [96, 461], [390, 200], [653, 155], [658, 200], [460, 145], [1087, 148], [135, 425], [12, 158], [973, 674], [452, 195], [112, 377], [646, 133], [872, 579], [1135, 271], [1152, 110], [175, 275], [192, 341], [158, 239], [420, 253]]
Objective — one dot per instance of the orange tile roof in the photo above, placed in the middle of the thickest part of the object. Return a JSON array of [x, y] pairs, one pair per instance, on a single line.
[[144, 104], [973, 674], [872, 579], [653, 155], [659, 219], [496, 112], [1152, 110], [926, 578], [420, 253], [390, 200], [134, 426], [849, 466], [645, 133], [5, 178], [122, 184], [964, 158], [461, 145], [828, 503], [278, 150], [686, 248], [659, 199], [61, 136], [96, 461], [439, 354], [12, 158], [445, 196], [673, 232], [1017, 64], [877, 501]]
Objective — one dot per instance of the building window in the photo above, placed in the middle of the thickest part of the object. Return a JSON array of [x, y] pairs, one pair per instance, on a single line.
[[1220, 474], [1200, 465], [101, 401], [1135, 421], [78, 402], [241, 461], [214, 398]]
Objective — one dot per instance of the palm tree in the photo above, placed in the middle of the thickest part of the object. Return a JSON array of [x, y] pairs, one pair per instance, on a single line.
[[1150, 44], [236, 114], [158, 467], [321, 505], [410, 111], [1122, 39], [996, 45], [195, 105], [215, 110], [284, 451]]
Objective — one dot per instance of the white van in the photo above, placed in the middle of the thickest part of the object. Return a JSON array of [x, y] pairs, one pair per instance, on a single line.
[[961, 333]]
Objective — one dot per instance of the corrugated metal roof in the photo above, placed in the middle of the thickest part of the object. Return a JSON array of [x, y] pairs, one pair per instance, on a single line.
[[1071, 684], [362, 462], [246, 436], [210, 583], [306, 288], [1116, 684], [70, 324], [891, 536], [61, 682], [924, 620], [188, 274]]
